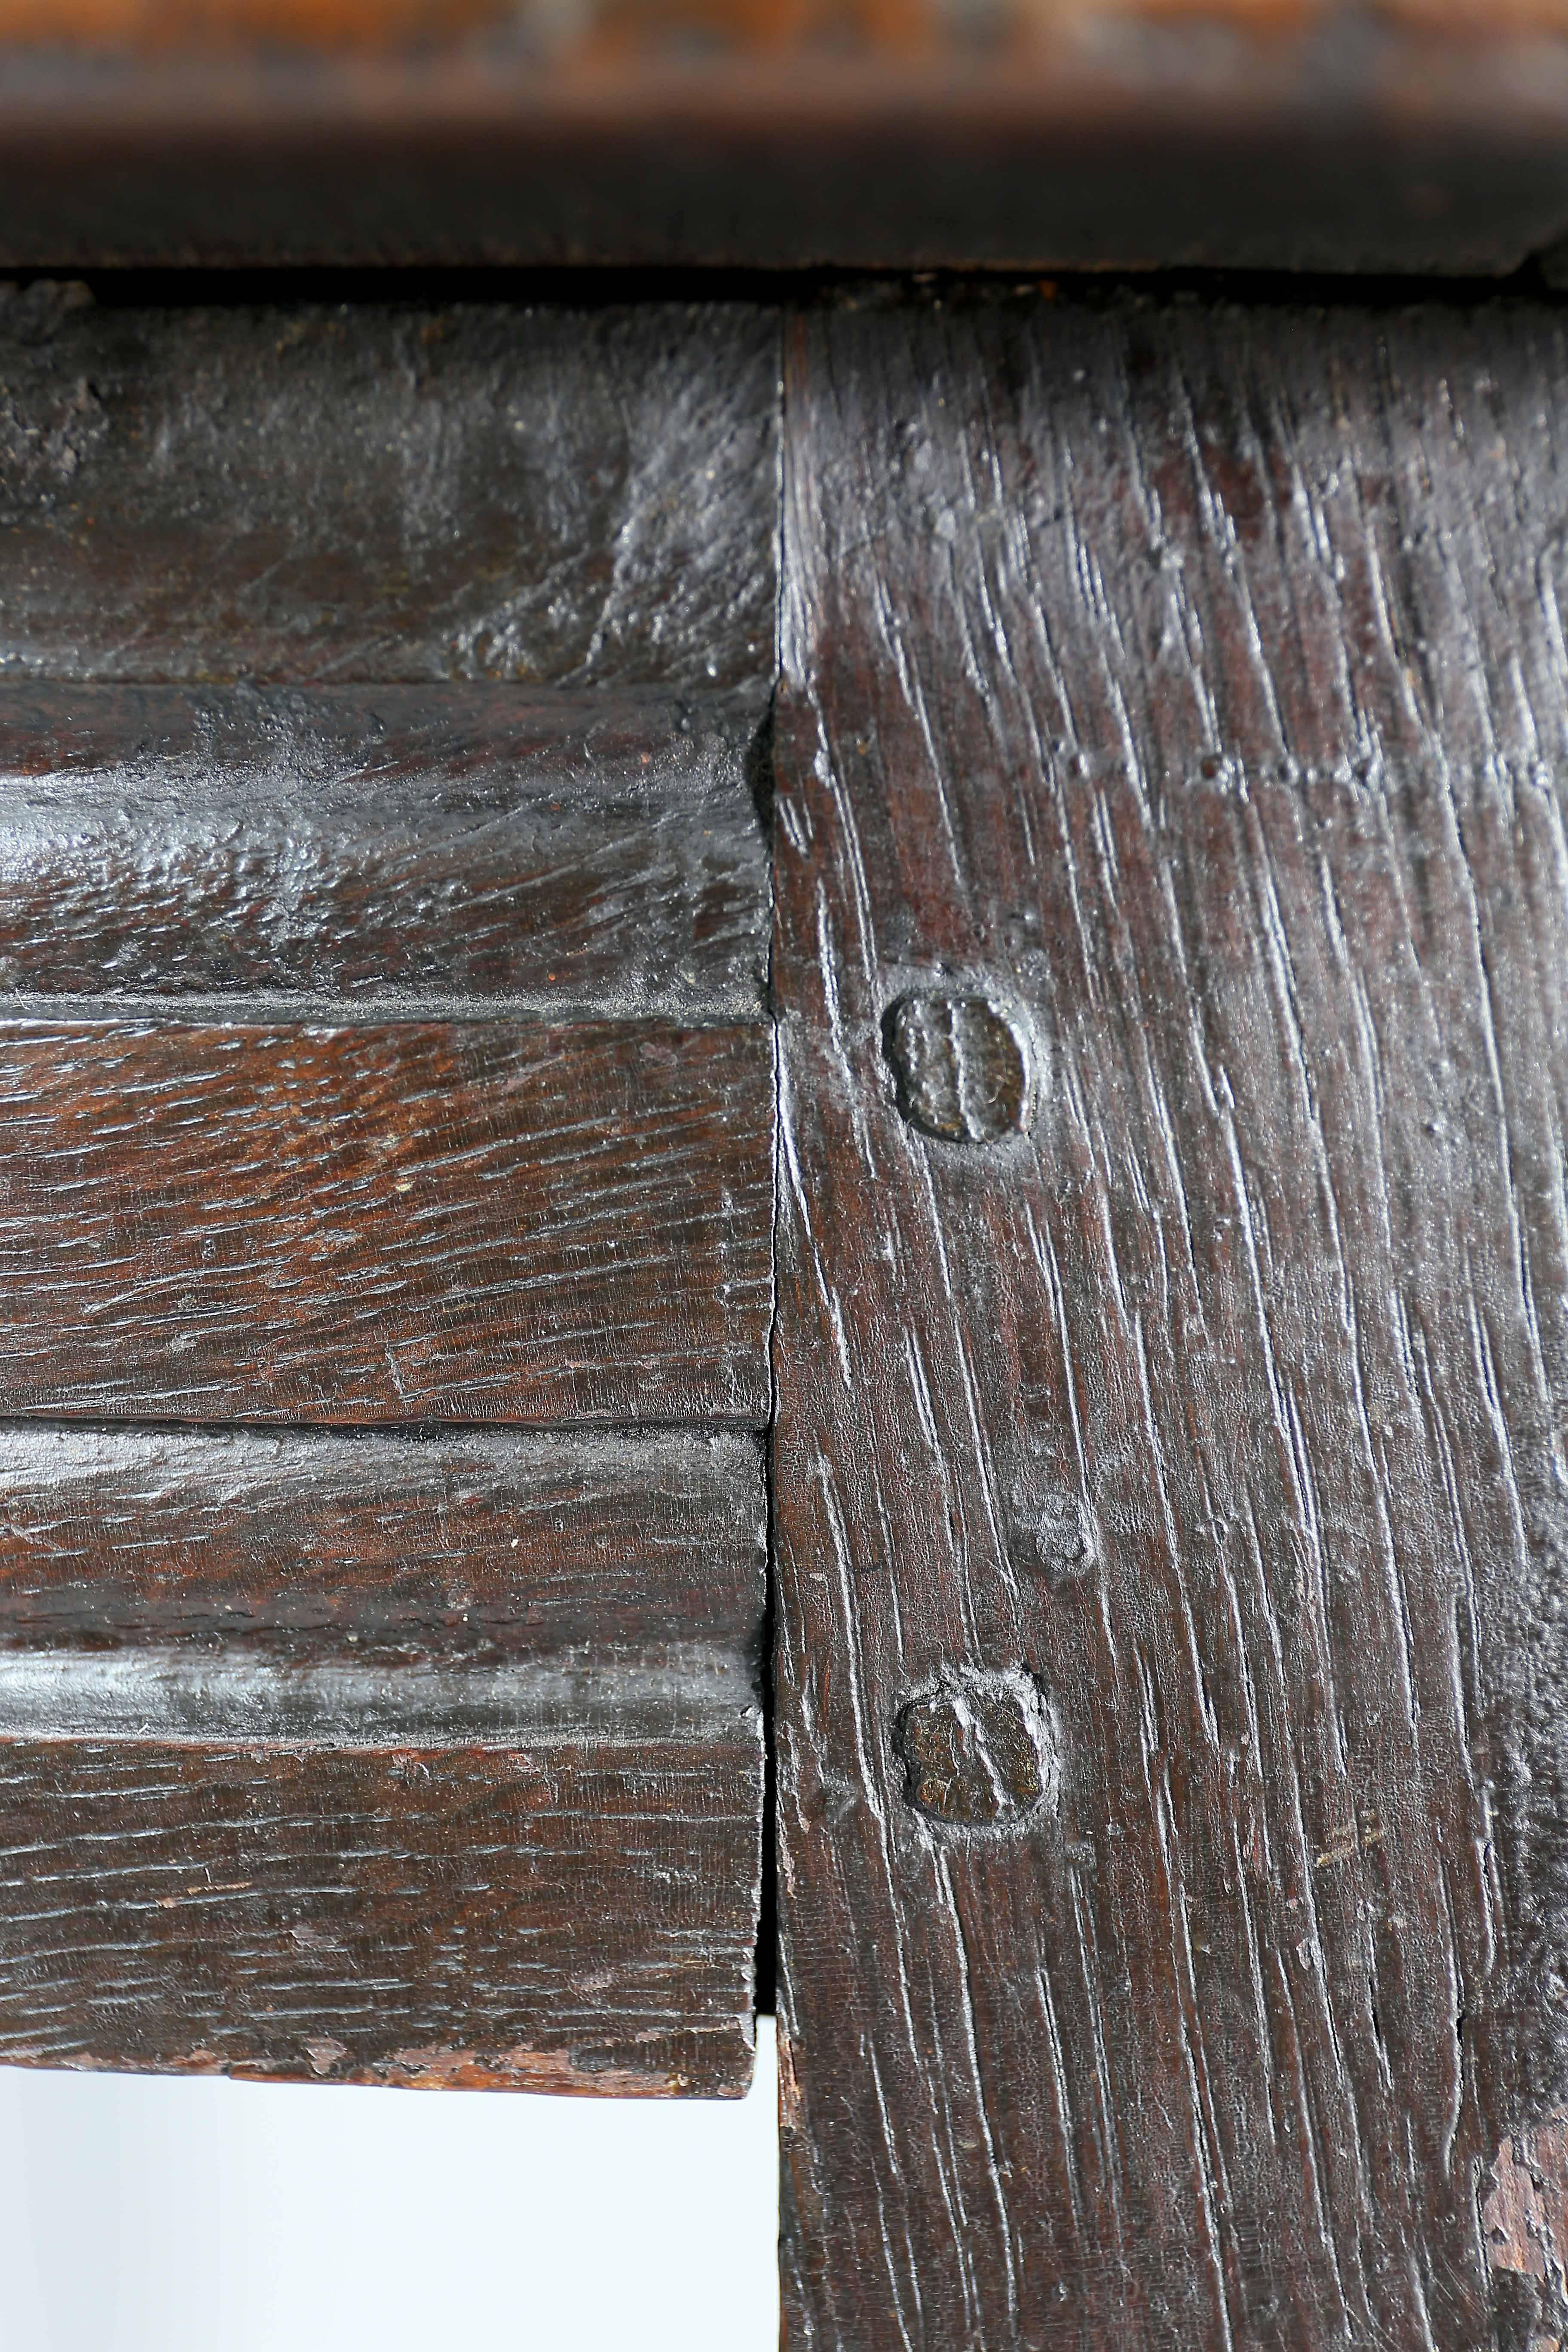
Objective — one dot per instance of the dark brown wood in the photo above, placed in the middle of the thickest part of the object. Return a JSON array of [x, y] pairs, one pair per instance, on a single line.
[[391, 1914], [1416, 134], [381, 1758], [387, 492], [390, 848], [466, 1221], [1173, 1864], [475, 1547], [415, 1072]]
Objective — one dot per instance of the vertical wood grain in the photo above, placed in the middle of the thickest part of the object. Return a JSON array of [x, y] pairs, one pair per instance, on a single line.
[[1180, 693]]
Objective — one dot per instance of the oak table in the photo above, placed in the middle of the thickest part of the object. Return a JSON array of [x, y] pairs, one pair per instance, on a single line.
[[783, 1111]]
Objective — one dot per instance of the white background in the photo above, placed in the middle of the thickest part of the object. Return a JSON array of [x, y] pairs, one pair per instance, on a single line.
[[146, 2215]]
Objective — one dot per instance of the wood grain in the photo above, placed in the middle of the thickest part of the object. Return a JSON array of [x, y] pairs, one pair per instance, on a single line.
[[387, 492], [562, 1916], [412, 1221], [382, 1759], [474, 1548], [401, 848], [1524, 2219], [414, 1073], [1184, 686]]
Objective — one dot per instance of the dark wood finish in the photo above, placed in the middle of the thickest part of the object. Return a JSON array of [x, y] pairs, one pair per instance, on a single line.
[[382, 1759], [414, 1070], [466, 1221], [1169, 1481], [387, 492], [476, 1547], [785, 133], [466, 1916], [391, 848]]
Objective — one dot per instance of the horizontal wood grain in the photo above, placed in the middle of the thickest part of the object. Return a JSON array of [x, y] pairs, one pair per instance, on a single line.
[[1169, 1486], [568, 1916], [668, 1692], [594, 854], [381, 1757], [465, 1548], [380, 776], [387, 492], [470, 1220]]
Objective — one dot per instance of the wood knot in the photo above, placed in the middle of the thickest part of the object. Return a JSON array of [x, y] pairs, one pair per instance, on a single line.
[[979, 1752], [962, 1071], [1056, 1535]]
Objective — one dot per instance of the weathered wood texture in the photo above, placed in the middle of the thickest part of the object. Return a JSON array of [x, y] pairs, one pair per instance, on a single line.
[[1170, 1484], [599, 853], [870, 134], [476, 1545], [468, 1917], [415, 1072], [387, 493], [1524, 2219], [472, 1220], [379, 1759]]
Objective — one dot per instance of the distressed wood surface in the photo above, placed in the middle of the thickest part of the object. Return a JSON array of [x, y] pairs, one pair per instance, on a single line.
[[392, 848], [413, 1071], [474, 1547], [387, 492], [1524, 2219], [439, 1221], [382, 1759], [562, 1916], [1172, 1343]]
